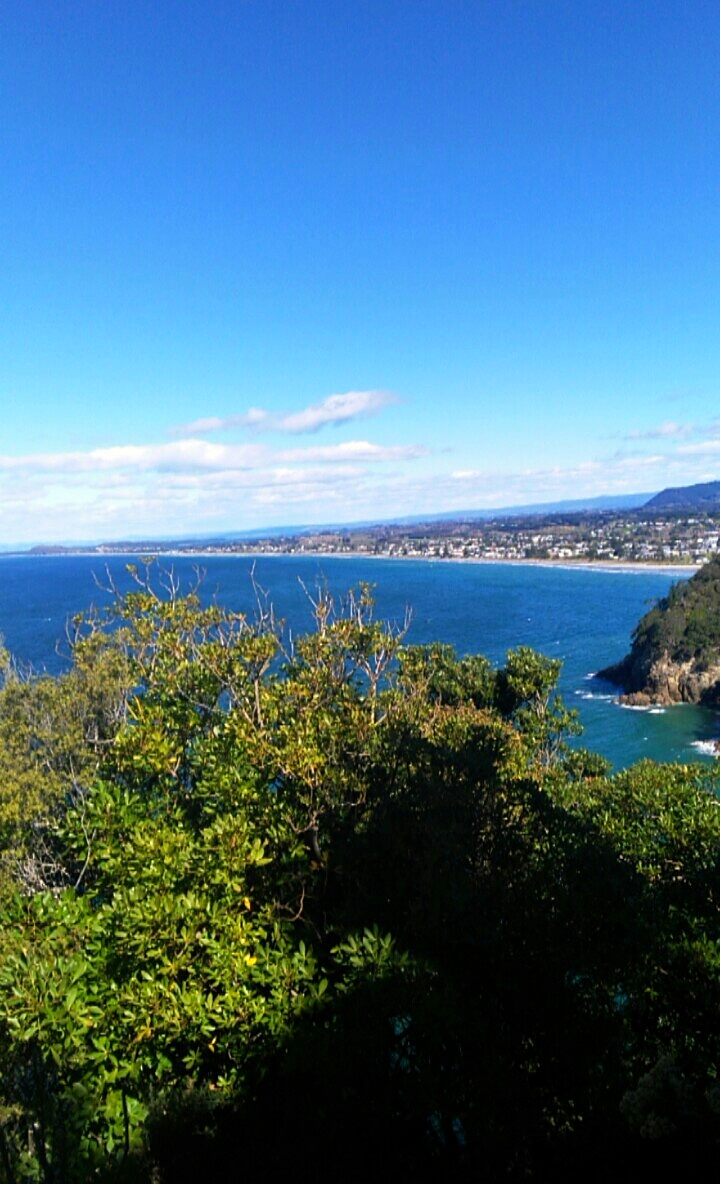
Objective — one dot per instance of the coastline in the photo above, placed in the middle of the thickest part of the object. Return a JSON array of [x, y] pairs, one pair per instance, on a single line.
[[619, 565], [37, 598], [603, 565]]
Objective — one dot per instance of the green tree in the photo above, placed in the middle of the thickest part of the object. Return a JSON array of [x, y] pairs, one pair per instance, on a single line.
[[348, 899], [53, 735]]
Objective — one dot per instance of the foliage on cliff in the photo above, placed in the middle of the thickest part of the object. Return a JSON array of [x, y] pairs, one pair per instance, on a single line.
[[298, 910], [685, 624], [675, 651]]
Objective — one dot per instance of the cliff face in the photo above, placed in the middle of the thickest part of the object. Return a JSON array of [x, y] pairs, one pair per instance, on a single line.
[[675, 654], [664, 681]]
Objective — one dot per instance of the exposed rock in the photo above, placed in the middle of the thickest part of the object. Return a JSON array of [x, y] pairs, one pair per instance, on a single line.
[[664, 682]]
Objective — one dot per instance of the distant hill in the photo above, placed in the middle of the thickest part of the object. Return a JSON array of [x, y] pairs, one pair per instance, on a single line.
[[688, 497], [627, 501], [675, 653]]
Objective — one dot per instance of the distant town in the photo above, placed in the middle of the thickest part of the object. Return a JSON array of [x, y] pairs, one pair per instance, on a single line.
[[644, 536]]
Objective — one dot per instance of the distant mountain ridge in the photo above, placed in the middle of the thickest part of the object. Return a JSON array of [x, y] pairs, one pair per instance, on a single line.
[[705, 496], [628, 501], [701, 498]]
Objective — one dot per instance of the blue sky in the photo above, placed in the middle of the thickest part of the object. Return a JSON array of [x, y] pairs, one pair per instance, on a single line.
[[316, 260]]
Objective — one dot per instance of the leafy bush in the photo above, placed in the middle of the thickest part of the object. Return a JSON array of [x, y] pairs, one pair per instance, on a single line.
[[311, 908]]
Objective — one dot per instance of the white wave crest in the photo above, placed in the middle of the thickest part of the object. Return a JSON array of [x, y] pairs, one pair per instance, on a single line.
[[706, 747]]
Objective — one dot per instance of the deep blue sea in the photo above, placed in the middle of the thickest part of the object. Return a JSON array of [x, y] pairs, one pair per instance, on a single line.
[[585, 617]]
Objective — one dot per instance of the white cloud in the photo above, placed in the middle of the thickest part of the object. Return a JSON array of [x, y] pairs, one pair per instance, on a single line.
[[195, 485], [254, 419], [669, 430], [188, 455], [187, 485], [335, 409], [183, 454], [359, 450], [706, 448]]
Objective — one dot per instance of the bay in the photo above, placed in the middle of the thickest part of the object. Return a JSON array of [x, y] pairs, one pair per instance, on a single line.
[[584, 617]]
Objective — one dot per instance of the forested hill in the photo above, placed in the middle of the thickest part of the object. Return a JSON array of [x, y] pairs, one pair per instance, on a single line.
[[703, 498], [675, 654]]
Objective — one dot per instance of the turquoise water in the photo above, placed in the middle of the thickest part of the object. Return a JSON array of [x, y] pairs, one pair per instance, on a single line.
[[583, 617]]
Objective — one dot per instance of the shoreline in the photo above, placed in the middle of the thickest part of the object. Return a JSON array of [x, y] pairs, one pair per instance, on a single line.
[[602, 565], [618, 565]]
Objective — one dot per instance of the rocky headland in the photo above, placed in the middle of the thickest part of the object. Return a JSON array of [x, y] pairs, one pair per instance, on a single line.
[[675, 651]]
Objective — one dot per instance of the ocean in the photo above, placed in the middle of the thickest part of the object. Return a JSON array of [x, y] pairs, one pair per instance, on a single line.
[[584, 617]]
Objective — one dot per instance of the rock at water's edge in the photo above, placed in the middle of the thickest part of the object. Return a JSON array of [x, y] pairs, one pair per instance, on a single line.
[[664, 681]]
